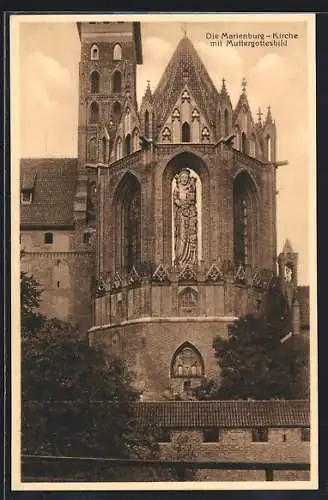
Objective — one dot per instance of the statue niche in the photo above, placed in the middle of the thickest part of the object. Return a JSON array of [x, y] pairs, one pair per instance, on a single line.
[[185, 218]]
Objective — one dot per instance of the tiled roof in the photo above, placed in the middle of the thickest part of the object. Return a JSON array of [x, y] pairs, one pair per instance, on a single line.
[[303, 293], [185, 58], [53, 193], [200, 414]]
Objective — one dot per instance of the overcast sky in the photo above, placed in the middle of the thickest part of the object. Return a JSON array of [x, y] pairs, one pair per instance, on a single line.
[[49, 55]]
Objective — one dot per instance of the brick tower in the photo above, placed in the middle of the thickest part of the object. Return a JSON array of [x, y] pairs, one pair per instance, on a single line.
[[186, 211]]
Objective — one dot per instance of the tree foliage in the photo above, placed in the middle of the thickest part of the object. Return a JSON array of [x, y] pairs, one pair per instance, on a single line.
[[75, 401], [254, 363]]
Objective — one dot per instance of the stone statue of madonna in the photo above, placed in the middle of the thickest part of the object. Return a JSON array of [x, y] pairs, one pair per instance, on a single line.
[[185, 218]]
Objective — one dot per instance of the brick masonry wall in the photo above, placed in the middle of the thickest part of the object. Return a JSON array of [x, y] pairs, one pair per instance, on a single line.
[[235, 445]]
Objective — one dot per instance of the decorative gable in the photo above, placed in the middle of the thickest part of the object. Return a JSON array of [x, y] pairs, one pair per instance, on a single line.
[[186, 122]]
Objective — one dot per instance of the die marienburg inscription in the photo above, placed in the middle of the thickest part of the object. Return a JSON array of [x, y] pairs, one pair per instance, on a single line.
[[227, 39]]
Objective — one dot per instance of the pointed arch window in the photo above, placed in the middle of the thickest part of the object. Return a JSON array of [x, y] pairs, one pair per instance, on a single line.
[[119, 148], [269, 147], [226, 123], [92, 149], [147, 124], [244, 145], [245, 220], [128, 223], [94, 54], [94, 82], [237, 137], [166, 135], [94, 112], [187, 362], [117, 81], [185, 132], [205, 135], [127, 144], [117, 52]]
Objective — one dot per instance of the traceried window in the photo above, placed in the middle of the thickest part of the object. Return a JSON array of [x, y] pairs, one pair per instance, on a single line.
[[205, 135], [94, 53], [117, 52], [187, 362], [245, 220], [166, 135], [128, 223]]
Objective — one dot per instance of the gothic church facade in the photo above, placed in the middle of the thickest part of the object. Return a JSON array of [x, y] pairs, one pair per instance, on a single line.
[[163, 230]]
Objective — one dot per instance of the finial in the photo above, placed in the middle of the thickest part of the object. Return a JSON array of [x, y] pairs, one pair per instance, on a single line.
[[259, 114], [184, 29], [269, 116], [243, 85]]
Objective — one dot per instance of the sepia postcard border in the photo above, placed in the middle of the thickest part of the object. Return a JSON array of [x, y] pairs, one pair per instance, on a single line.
[[17, 484]]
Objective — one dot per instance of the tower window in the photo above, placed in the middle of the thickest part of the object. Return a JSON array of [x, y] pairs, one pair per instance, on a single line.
[[260, 435], [117, 52], [94, 53], [94, 80], [48, 238], [94, 112], [117, 81], [86, 238], [211, 435], [185, 132]]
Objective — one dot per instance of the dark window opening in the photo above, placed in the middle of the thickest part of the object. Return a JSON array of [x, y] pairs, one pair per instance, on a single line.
[[94, 79], [164, 435], [94, 113], [185, 132], [244, 148], [211, 435], [86, 238], [241, 232], [260, 435], [226, 123], [305, 434], [48, 238], [26, 196], [284, 438], [117, 81], [128, 144], [58, 284], [146, 124], [104, 150]]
